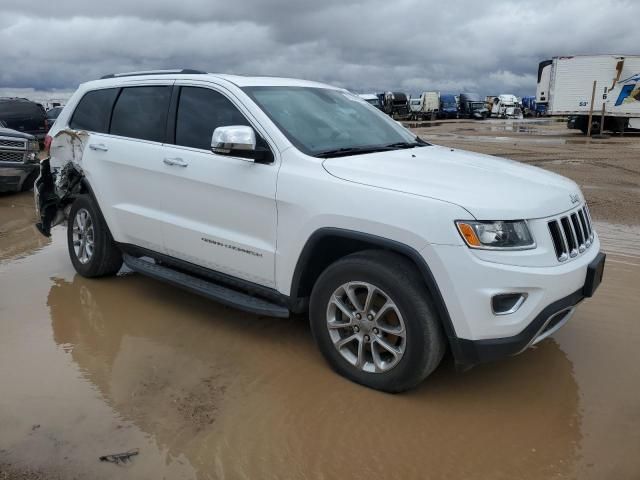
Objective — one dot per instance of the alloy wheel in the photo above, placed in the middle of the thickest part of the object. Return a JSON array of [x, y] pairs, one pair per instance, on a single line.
[[366, 327], [83, 236]]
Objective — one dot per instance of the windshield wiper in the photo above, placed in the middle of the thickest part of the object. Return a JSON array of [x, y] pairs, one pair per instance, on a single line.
[[417, 143], [343, 152]]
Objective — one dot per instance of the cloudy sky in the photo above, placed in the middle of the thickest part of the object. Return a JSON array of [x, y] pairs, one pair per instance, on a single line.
[[365, 45]]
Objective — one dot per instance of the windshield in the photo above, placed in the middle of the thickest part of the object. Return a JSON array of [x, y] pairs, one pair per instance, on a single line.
[[374, 101], [321, 121]]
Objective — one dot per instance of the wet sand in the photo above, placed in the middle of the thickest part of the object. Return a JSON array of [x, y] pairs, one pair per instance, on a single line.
[[92, 367], [607, 170]]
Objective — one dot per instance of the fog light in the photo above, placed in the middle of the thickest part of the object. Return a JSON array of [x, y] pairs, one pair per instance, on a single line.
[[507, 303]]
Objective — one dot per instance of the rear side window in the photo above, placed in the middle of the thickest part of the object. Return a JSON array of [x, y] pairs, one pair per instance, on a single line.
[[200, 112], [94, 110], [141, 112]]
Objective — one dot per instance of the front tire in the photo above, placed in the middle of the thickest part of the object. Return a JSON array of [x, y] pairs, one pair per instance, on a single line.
[[92, 250], [374, 322]]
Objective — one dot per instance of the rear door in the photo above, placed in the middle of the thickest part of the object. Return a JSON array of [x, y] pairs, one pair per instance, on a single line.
[[225, 218], [125, 166]]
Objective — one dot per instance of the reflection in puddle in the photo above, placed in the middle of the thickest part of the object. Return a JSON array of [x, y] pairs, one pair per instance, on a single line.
[[201, 378]]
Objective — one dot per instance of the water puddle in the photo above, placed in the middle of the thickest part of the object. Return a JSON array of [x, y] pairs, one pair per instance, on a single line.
[[18, 234], [497, 139], [425, 124], [96, 367]]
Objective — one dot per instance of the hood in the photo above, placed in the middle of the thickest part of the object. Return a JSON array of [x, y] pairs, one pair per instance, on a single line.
[[8, 132], [489, 188]]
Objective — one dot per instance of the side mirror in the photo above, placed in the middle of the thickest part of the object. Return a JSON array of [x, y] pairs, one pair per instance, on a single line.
[[239, 141]]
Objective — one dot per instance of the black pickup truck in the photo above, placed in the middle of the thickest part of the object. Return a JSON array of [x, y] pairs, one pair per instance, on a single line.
[[24, 116], [18, 160]]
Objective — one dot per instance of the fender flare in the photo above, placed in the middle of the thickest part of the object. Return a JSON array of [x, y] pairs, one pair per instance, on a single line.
[[386, 244], [89, 191]]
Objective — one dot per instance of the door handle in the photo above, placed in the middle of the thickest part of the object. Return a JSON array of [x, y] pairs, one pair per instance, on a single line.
[[175, 162], [101, 147]]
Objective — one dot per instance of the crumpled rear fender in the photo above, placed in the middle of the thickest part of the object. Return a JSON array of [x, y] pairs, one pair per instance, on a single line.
[[60, 179]]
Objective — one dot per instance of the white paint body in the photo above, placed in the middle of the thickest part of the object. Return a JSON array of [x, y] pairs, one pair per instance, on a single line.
[[411, 196], [566, 85]]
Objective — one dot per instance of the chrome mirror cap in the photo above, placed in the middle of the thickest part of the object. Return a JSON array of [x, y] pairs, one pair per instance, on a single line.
[[234, 137]]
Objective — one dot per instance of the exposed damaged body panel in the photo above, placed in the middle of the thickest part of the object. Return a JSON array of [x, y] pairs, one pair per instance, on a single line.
[[60, 179]]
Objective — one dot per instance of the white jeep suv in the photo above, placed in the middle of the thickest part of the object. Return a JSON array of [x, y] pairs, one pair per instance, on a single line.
[[275, 195]]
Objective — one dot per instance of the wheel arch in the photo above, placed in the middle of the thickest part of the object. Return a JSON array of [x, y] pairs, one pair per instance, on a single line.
[[327, 245], [87, 189]]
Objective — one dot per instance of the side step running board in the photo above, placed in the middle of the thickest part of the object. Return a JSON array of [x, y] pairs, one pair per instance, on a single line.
[[214, 291]]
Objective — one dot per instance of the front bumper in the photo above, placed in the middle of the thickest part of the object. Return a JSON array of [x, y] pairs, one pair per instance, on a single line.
[[13, 175], [468, 283], [549, 320]]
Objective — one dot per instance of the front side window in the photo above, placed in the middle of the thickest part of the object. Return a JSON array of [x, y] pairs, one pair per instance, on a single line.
[[141, 112], [321, 121], [200, 112], [93, 111]]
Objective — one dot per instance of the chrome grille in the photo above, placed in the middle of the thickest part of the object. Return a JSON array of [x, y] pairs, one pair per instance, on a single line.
[[4, 142], [11, 156], [572, 234]]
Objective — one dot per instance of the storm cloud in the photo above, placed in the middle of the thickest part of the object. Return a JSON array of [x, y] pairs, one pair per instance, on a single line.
[[365, 45]]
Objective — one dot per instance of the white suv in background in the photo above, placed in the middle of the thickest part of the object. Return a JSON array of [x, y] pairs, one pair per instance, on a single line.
[[276, 195]]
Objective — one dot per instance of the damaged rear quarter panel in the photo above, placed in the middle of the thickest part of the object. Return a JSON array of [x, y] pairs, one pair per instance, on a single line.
[[60, 178], [68, 146]]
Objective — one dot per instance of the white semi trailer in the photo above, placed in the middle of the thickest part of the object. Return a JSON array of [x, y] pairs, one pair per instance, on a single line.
[[565, 86]]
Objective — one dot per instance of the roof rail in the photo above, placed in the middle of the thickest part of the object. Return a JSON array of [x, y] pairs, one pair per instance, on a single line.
[[153, 72]]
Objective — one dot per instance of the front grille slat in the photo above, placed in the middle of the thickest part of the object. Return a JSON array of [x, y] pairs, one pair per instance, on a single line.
[[583, 223], [589, 223], [577, 228], [572, 241], [571, 234], [16, 156], [559, 243], [4, 142]]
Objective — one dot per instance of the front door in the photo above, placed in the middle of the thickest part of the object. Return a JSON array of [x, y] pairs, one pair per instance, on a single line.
[[221, 210]]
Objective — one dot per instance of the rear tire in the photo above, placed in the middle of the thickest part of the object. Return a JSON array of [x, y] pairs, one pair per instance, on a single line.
[[92, 250], [379, 356]]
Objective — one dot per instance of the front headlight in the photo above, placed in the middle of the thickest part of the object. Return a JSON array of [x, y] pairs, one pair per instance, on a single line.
[[34, 145], [496, 235]]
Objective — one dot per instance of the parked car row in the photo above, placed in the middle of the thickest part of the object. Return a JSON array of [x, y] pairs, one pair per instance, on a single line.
[[431, 104]]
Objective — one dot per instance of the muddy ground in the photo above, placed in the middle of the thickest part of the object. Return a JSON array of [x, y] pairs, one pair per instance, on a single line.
[[93, 367], [607, 169]]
